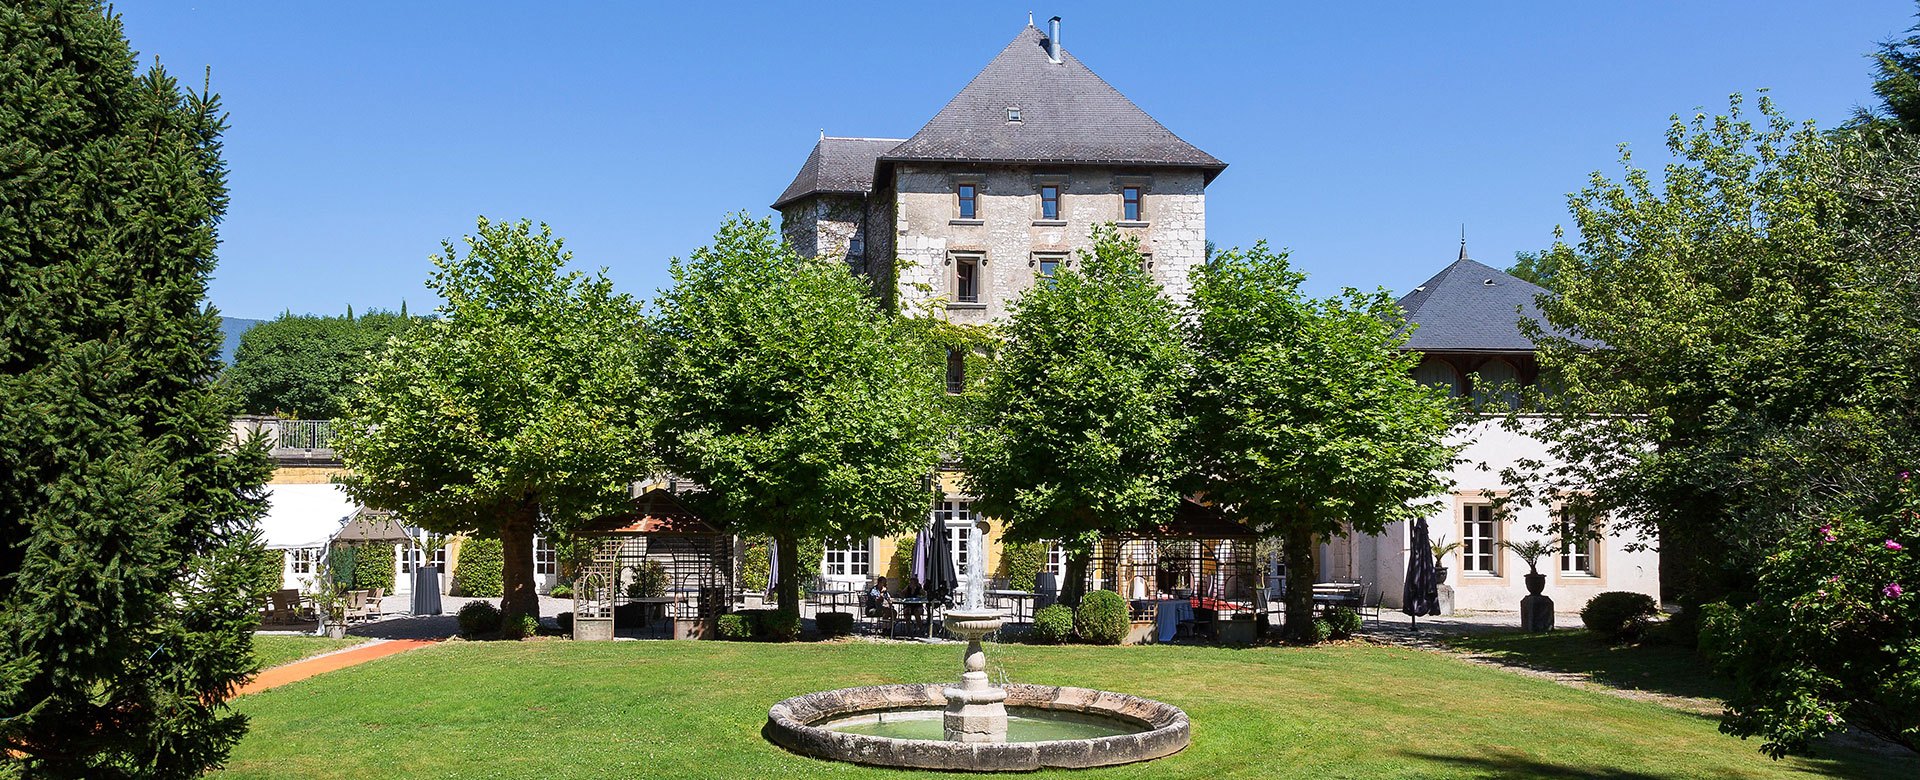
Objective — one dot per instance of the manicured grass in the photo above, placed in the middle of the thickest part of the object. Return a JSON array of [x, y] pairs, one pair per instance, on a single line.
[[1649, 666], [556, 709], [276, 649]]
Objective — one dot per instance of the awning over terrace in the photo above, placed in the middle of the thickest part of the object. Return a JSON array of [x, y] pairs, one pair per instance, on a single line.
[[304, 515]]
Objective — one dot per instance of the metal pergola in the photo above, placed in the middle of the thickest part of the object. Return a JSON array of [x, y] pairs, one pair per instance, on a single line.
[[657, 570]]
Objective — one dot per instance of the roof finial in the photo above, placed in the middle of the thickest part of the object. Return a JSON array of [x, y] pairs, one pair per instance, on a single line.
[[1029, 18], [823, 137], [1463, 241]]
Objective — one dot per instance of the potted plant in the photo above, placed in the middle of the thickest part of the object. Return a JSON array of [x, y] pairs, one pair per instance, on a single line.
[[1441, 549], [1536, 610], [329, 605]]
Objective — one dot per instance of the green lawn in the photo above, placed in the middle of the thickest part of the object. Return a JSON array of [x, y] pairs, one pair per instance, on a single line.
[[1660, 668], [555, 709], [276, 649]]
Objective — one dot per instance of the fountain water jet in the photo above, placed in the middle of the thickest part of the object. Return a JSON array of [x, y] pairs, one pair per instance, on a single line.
[[976, 710]]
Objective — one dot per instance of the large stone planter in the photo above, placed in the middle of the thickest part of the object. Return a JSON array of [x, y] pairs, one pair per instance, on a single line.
[[1536, 610]]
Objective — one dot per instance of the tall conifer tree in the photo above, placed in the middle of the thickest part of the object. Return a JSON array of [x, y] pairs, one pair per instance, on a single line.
[[126, 609]]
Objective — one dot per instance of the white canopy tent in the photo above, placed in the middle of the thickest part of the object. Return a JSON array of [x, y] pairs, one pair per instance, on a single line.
[[304, 516]]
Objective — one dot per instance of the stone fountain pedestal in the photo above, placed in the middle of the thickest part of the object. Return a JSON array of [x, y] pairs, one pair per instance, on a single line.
[[976, 711]]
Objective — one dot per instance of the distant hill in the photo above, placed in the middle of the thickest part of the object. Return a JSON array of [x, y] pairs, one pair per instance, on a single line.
[[230, 330]]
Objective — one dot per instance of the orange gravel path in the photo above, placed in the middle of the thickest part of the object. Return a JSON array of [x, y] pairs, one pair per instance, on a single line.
[[301, 670]]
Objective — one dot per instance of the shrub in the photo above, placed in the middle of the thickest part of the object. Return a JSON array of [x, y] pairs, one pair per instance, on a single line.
[[1101, 618], [754, 565], [649, 581], [903, 557], [1619, 614], [736, 626], [1319, 631], [1021, 563], [479, 618], [561, 592], [1717, 622], [834, 623], [565, 620], [520, 627], [476, 571], [1342, 623], [373, 567], [1053, 623], [780, 625]]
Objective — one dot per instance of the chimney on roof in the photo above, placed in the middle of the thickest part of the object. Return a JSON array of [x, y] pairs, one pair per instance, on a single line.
[[1053, 40]]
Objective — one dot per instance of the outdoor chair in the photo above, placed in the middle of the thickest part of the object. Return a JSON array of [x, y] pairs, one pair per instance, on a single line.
[[374, 609], [283, 606], [356, 605], [1370, 603]]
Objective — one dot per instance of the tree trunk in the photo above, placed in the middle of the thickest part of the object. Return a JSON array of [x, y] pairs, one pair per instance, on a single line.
[[516, 566], [787, 590], [1299, 549], [1075, 584]]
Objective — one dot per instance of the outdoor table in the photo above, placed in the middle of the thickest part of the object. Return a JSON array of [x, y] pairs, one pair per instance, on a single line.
[[1019, 599], [926, 614], [832, 596], [660, 601], [1168, 615]]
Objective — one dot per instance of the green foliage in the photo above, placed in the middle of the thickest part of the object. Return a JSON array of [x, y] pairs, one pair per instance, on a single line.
[[519, 626], [305, 367], [561, 591], [903, 557], [781, 388], [737, 626], [1101, 618], [264, 567], [1076, 431], [1897, 83], [1342, 623], [1541, 268], [1717, 622], [834, 623], [1316, 630], [1307, 421], [1757, 303], [128, 590], [1833, 634], [754, 564], [649, 581], [373, 567], [1619, 614], [479, 618], [780, 625], [1053, 623], [476, 571], [515, 410], [1020, 562], [1531, 551]]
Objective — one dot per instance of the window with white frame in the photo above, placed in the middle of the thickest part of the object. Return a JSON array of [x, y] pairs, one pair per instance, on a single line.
[[1576, 545], [1479, 540], [958, 520], [544, 559], [301, 560], [847, 558], [1057, 560], [966, 278], [409, 557]]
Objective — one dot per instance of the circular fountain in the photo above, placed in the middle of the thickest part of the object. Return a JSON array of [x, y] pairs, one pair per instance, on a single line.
[[977, 726]]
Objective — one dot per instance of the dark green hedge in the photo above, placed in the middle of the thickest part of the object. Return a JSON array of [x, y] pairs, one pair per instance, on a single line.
[[476, 573], [1102, 618], [373, 566]]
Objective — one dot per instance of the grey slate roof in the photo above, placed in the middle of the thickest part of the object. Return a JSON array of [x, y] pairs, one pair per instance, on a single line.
[[1472, 307], [1068, 115], [838, 165]]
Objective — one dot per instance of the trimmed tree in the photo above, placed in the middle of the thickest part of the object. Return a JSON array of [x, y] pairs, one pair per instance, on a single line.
[[1307, 421], [304, 366], [1077, 428], [802, 409], [129, 576], [515, 411]]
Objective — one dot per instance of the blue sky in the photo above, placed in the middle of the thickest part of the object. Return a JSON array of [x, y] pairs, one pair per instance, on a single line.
[[1359, 137]]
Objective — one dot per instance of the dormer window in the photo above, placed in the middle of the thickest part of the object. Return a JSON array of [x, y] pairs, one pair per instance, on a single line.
[[1013, 115]]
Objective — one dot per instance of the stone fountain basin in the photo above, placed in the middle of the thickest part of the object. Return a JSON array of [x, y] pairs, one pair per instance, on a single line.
[[1164, 729]]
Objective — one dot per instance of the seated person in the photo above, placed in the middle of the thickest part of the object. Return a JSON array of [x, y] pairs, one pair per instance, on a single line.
[[916, 612], [879, 602]]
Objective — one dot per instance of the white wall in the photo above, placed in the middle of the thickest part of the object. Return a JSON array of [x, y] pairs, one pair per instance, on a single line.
[[1490, 449]]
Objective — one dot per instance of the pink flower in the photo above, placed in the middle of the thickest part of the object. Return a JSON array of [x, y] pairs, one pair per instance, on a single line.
[[1893, 545], [1826, 533], [1833, 580], [1892, 590]]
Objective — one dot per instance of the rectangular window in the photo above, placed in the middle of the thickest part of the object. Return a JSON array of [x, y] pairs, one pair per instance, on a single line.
[[966, 278], [1047, 265], [1576, 546], [956, 372], [1057, 560], [1130, 204], [303, 560], [957, 518], [1479, 540], [848, 559], [968, 203], [409, 557], [857, 245], [1050, 201], [544, 560]]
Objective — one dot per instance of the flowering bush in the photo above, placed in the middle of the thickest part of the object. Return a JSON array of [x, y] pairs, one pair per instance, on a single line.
[[1833, 634]]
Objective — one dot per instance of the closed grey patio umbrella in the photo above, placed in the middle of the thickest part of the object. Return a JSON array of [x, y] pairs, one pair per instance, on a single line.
[[1421, 593]]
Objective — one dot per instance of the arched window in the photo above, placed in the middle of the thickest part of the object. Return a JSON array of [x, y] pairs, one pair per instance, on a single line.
[[1496, 380], [1438, 373]]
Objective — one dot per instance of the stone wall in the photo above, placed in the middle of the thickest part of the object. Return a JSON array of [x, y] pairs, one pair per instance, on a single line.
[[824, 226], [1009, 230]]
